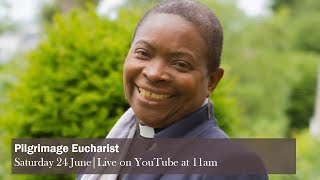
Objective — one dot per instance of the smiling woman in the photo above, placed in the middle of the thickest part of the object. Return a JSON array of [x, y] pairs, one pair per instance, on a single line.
[[165, 73], [171, 69]]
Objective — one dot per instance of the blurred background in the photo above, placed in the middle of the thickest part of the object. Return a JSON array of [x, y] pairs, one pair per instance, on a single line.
[[61, 72]]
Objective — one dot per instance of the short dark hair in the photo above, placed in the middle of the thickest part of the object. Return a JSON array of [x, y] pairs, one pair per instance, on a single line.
[[199, 15]]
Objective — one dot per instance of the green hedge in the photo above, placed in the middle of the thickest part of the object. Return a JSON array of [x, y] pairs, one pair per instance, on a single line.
[[72, 83], [72, 86], [302, 98]]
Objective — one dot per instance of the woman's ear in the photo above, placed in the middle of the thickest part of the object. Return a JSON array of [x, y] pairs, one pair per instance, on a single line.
[[214, 79]]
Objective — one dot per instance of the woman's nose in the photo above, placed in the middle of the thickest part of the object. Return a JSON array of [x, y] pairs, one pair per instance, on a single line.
[[156, 72]]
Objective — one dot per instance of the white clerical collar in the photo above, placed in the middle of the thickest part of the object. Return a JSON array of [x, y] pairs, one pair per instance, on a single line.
[[149, 132], [206, 100], [146, 131]]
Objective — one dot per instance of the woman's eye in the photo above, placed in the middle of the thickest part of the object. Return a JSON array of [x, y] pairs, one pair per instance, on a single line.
[[183, 66], [141, 53]]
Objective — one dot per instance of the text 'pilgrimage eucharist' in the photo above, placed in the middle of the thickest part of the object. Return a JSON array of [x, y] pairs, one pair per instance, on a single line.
[[60, 149]]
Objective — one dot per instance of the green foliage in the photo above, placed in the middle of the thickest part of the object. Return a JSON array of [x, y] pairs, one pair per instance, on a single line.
[[72, 84], [48, 11], [278, 4], [225, 105], [57, 6], [308, 159], [301, 25], [297, 7], [308, 33], [302, 98], [263, 70], [8, 78], [301, 29]]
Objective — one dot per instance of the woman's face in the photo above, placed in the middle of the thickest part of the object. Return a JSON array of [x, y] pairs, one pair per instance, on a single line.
[[165, 72]]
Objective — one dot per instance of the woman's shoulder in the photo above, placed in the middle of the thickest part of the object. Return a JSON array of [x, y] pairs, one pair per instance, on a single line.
[[207, 129]]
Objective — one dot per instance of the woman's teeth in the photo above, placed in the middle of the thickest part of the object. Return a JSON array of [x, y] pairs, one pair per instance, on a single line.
[[148, 94]]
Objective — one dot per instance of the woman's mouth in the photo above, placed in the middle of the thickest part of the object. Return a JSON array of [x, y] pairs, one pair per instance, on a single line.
[[153, 96]]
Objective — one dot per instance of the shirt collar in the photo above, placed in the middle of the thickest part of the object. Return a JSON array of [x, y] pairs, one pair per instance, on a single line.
[[180, 127], [146, 131]]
